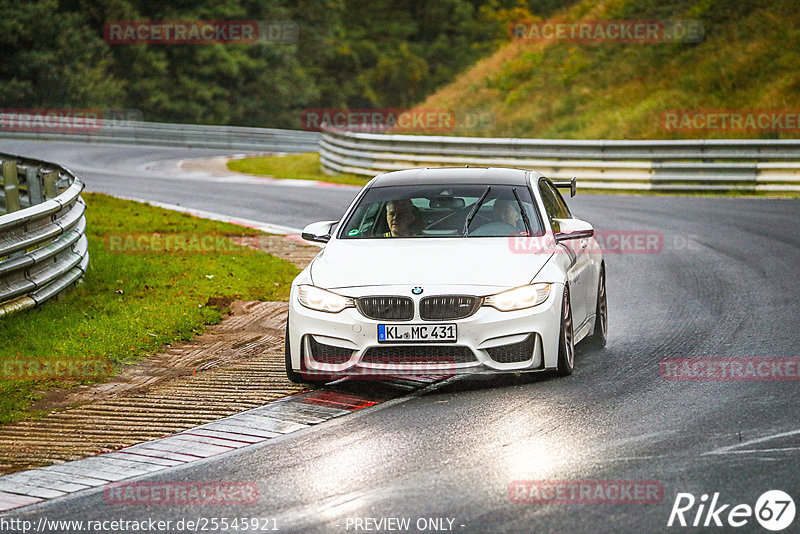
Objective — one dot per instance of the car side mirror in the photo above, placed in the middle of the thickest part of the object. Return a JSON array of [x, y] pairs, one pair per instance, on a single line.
[[571, 185], [318, 231], [566, 229]]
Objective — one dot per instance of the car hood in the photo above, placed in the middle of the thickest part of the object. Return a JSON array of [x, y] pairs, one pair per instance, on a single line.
[[469, 261]]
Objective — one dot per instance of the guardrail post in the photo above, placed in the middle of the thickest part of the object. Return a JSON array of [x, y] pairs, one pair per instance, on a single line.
[[49, 179], [11, 185], [34, 186]]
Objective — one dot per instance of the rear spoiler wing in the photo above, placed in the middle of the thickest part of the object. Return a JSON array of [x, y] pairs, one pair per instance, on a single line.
[[564, 185]]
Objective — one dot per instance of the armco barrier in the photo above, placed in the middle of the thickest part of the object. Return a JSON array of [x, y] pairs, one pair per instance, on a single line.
[[685, 165], [43, 246], [167, 134]]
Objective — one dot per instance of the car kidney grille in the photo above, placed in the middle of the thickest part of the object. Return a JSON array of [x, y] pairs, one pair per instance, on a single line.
[[448, 307], [324, 353], [386, 308], [513, 353], [418, 354]]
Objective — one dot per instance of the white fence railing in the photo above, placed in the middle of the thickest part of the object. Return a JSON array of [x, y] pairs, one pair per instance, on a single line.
[[685, 165]]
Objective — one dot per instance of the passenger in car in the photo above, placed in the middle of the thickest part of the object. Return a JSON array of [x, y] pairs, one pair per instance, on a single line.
[[403, 218]]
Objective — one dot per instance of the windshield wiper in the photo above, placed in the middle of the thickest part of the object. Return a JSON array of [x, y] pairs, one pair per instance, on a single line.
[[522, 211], [474, 210]]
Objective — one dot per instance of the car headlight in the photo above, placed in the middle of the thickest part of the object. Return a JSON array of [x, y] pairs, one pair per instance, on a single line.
[[322, 300], [519, 298]]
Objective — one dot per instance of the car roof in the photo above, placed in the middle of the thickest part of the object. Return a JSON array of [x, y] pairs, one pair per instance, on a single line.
[[454, 175]]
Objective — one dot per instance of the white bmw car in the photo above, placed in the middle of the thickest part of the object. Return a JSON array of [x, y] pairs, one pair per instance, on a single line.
[[448, 271]]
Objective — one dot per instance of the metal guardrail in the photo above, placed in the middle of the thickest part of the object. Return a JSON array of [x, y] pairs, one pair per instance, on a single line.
[[166, 134], [43, 245], [684, 165]]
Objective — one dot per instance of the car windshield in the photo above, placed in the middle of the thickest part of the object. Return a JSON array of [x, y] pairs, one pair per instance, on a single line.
[[443, 211]]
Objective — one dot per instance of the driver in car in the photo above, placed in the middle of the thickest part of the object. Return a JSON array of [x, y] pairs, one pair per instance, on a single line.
[[506, 211], [403, 218]]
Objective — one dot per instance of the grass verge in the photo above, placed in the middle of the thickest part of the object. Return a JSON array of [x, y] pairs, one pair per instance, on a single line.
[[131, 304], [304, 166], [746, 62]]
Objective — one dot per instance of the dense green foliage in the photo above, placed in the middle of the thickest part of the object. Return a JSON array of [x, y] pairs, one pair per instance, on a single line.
[[350, 53], [440, 54]]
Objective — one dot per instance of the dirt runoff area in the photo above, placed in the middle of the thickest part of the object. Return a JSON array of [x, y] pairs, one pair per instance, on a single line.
[[232, 367]]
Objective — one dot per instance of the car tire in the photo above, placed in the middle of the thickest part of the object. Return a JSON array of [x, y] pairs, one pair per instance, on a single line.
[[566, 338], [600, 334]]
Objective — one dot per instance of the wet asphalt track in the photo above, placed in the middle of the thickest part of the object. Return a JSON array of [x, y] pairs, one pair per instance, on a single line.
[[148, 172], [724, 285]]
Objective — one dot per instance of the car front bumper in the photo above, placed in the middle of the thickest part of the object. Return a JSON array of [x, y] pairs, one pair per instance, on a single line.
[[489, 341]]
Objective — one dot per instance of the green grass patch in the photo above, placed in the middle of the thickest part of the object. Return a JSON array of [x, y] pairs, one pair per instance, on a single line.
[[304, 166], [131, 304]]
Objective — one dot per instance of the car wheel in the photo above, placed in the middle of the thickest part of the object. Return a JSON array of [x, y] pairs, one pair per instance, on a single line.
[[566, 340], [600, 334]]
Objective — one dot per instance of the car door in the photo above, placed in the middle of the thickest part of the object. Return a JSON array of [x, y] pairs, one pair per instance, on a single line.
[[579, 271]]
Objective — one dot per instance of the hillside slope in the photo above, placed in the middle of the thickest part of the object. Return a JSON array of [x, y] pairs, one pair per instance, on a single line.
[[748, 60]]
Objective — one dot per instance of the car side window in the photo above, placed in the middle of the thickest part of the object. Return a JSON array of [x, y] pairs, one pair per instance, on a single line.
[[554, 203], [368, 221], [563, 210]]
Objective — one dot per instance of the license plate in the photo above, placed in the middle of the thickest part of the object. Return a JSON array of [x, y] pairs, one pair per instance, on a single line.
[[432, 333]]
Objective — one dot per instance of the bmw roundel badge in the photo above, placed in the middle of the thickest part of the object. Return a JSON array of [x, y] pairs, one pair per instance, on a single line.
[[417, 291]]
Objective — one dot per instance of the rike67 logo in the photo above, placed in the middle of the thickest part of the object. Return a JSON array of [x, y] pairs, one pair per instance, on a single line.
[[774, 510]]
